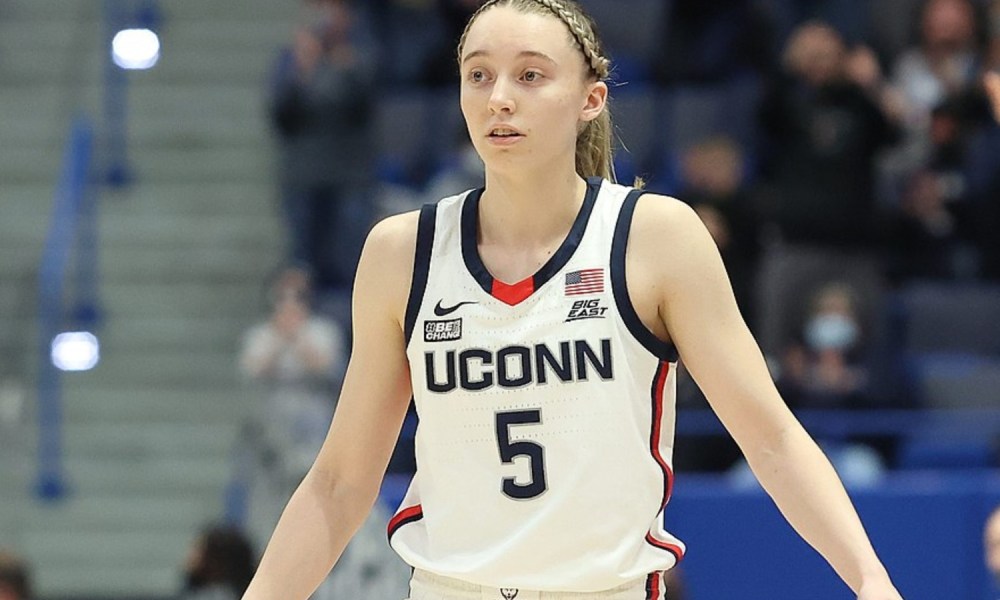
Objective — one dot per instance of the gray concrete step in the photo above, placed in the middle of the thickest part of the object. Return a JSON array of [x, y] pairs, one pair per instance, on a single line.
[[235, 34], [191, 198], [223, 99], [107, 578], [240, 64], [220, 334], [29, 164], [109, 564], [124, 232], [202, 165], [153, 441], [120, 405], [184, 300], [114, 512], [216, 371]]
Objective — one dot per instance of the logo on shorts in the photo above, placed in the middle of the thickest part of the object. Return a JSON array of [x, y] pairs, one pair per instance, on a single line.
[[443, 331], [508, 593]]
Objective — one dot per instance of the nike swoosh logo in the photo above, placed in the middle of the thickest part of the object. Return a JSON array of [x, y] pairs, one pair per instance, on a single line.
[[442, 311]]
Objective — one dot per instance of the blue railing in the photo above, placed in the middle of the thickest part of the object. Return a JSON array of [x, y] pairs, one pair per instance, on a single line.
[[842, 424], [70, 235]]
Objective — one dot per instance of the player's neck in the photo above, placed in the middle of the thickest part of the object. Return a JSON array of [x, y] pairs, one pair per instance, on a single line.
[[536, 210]]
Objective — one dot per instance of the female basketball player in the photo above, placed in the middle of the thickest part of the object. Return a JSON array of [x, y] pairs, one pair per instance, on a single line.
[[537, 324]]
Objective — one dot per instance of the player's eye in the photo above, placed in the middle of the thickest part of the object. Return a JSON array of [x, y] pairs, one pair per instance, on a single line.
[[477, 76], [532, 76]]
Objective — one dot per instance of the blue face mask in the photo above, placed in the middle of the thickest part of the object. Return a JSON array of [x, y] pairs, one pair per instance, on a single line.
[[831, 332]]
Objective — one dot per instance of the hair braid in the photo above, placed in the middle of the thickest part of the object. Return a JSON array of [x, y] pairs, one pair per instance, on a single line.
[[584, 35], [577, 23]]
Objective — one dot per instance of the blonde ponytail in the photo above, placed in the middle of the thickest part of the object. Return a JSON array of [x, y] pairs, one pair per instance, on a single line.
[[594, 157]]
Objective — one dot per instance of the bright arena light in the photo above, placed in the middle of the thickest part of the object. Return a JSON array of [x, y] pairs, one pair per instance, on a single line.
[[135, 48], [76, 351]]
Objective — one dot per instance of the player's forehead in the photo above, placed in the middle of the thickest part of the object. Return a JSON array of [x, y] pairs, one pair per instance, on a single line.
[[505, 31]]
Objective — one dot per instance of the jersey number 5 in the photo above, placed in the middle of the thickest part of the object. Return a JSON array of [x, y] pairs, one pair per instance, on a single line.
[[511, 450]]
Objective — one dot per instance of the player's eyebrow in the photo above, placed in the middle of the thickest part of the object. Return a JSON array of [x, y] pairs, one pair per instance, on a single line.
[[521, 54]]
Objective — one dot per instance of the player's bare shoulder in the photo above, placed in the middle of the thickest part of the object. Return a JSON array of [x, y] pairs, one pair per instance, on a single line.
[[386, 265], [664, 228], [669, 248]]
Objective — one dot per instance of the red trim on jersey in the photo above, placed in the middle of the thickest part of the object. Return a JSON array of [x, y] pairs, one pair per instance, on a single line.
[[674, 549], [407, 515], [513, 293], [659, 383], [653, 586]]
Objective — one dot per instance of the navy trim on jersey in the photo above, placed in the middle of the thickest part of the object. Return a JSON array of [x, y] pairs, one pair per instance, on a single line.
[[655, 430], [619, 285], [421, 266], [558, 260]]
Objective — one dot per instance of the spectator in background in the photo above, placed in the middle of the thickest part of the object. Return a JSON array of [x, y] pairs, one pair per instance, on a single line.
[[15, 577], [824, 368], [948, 218], [219, 565], [321, 109], [825, 120], [945, 61], [713, 184], [934, 231], [295, 355]]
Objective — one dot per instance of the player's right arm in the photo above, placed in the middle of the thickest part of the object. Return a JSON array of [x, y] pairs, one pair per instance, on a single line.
[[339, 490]]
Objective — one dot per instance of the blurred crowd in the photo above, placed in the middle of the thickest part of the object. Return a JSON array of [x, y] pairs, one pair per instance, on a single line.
[[836, 151]]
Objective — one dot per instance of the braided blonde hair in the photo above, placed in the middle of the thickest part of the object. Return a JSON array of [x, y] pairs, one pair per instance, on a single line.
[[593, 143]]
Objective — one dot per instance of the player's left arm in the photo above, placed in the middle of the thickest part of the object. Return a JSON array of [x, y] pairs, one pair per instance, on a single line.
[[677, 263]]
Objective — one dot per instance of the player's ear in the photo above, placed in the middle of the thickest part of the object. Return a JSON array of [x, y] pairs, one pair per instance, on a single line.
[[595, 100]]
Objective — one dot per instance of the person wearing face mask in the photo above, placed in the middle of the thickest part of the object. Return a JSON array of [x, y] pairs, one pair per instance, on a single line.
[[823, 370]]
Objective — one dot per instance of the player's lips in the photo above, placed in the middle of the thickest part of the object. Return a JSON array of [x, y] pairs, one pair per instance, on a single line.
[[504, 135]]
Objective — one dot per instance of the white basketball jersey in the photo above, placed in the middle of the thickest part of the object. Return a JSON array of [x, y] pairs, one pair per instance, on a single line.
[[546, 411]]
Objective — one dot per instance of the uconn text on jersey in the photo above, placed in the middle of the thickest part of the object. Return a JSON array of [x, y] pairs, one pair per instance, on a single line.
[[517, 366]]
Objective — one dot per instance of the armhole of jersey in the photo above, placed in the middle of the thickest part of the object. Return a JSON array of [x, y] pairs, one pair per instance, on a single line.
[[421, 266], [619, 286]]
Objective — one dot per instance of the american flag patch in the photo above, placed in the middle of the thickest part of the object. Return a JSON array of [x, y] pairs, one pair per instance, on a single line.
[[586, 281]]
